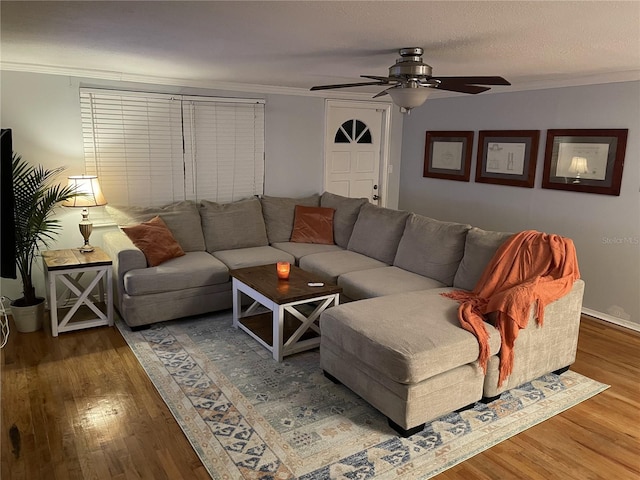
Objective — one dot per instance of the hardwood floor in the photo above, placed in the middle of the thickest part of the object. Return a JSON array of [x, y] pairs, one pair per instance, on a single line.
[[80, 407], [85, 409], [596, 439]]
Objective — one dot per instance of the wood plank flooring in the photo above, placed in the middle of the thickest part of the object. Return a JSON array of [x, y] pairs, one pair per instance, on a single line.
[[83, 408]]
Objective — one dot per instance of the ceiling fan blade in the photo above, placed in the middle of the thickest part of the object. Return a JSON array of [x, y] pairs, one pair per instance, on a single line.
[[475, 80], [375, 77], [345, 85], [461, 87], [382, 93]]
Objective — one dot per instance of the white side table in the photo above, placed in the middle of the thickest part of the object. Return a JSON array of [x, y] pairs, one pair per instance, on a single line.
[[69, 266]]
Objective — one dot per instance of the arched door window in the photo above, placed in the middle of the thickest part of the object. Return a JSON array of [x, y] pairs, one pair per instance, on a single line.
[[353, 131]]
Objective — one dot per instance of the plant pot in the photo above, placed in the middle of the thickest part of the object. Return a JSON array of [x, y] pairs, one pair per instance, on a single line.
[[29, 318]]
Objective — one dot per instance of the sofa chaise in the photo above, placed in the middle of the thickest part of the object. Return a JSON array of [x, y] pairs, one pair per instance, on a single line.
[[394, 340]]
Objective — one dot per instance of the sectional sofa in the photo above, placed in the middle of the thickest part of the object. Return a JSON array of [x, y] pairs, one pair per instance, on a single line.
[[394, 340]]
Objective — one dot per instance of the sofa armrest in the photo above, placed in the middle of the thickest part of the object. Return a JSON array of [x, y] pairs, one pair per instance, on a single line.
[[539, 350], [125, 256]]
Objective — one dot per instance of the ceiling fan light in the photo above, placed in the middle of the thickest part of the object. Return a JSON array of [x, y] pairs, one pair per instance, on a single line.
[[408, 96]]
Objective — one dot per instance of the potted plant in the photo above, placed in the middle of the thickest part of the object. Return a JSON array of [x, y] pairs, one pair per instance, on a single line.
[[35, 200]]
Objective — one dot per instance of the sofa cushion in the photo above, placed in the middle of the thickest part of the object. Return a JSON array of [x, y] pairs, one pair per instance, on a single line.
[[155, 240], [377, 232], [430, 341], [233, 225], [279, 213], [299, 250], [250, 257], [182, 218], [347, 210], [480, 247], [377, 282], [330, 265], [195, 269], [431, 248], [313, 225]]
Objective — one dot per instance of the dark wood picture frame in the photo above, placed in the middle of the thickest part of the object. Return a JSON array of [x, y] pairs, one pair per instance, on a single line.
[[447, 155], [507, 157], [601, 153]]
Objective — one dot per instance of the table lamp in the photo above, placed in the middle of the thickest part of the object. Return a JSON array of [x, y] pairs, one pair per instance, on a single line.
[[89, 195], [578, 166]]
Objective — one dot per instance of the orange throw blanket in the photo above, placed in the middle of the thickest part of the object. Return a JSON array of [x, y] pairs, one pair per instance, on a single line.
[[529, 267]]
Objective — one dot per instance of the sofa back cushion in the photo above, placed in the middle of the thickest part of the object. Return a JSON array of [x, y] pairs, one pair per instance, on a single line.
[[377, 232], [279, 213], [480, 247], [431, 248], [182, 218], [233, 225], [347, 210]]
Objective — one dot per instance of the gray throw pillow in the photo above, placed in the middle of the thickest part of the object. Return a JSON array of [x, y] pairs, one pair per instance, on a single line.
[[480, 247], [279, 213], [233, 225], [182, 218], [344, 219], [431, 248], [377, 232]]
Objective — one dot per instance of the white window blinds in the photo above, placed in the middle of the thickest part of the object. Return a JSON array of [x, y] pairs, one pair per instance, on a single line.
[[154, 149]]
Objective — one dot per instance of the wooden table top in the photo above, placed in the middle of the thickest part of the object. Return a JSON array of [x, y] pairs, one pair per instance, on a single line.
[[264, 279], [74, 258]]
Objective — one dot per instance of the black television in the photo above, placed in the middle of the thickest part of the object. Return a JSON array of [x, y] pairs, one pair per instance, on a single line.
[[7, 200]]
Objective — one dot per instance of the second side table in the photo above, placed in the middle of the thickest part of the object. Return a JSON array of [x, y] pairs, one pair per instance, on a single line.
[[69, 266]]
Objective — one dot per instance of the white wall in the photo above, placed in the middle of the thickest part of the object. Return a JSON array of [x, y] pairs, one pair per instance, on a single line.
[[294, 145], [43, 112], [605, 229]]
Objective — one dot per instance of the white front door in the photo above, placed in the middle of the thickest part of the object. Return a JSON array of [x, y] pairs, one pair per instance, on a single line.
[[355, 156]]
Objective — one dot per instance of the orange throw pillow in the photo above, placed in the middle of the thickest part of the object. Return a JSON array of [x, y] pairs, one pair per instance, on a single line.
[[313, 225], [155, 240]]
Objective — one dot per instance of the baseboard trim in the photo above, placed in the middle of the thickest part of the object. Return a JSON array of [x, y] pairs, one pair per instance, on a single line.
[[611, 319]]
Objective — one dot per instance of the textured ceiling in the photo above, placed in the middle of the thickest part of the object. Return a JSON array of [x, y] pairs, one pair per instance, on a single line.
[[301, 44]]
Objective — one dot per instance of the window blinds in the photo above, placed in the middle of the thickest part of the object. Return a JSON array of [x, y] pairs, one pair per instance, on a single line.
[[154, 149]]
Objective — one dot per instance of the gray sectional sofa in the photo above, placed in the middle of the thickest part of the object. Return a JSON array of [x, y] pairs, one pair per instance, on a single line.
[[394, 340]]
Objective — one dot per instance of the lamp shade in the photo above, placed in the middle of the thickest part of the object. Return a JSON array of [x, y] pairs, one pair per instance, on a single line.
[[88, 188], [578, 165], [409, 95]]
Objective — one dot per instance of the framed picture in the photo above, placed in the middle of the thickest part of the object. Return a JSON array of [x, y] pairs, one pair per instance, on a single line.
[[507, 157], [585, 160], [448, 155]]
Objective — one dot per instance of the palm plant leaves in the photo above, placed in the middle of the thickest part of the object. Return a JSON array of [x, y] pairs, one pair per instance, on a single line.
[[35, 201]]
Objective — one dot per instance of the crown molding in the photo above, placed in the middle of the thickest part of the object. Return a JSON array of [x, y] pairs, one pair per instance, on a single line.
[[598, 79], [615, 77], [176, 82]]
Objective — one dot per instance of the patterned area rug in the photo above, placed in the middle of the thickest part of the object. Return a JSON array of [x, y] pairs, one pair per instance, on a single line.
[[248, 416]]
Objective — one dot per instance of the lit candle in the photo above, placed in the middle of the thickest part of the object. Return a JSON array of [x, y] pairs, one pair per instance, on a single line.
[[283, 270]]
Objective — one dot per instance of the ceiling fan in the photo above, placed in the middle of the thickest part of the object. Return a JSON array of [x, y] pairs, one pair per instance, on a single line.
[[412, 81]]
